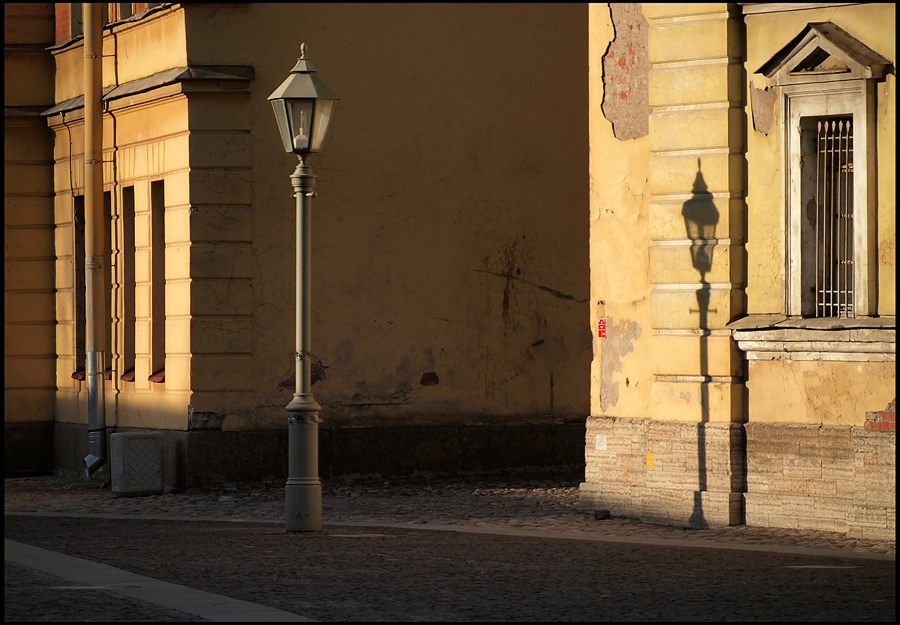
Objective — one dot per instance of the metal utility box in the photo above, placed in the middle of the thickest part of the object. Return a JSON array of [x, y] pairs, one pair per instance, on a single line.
[[137, 463]]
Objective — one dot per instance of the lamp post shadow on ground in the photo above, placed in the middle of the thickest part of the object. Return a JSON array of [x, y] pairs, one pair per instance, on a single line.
[[303, 106], [700, 219]]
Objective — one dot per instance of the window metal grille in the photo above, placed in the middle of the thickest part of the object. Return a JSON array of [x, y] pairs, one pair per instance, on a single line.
[[834, 218]]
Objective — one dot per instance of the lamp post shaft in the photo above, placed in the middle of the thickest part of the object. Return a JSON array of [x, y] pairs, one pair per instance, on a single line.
[[303, 491]]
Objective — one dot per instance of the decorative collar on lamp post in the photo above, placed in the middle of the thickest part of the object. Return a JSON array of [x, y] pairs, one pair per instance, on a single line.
[[303, 106]]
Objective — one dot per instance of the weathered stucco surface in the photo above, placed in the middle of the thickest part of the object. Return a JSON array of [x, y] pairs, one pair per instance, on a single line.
[[837, 393], [620, 286], [449, 261], [447, 235], [831, 393], [684, 429]]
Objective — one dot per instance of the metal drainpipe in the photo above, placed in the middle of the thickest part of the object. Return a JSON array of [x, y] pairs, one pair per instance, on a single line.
[[95, 338]]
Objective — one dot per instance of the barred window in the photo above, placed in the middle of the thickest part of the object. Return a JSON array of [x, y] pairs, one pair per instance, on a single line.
[[826, 79], [827, 224]]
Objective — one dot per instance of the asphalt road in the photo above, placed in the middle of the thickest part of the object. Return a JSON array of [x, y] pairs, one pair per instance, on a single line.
[[388, 574]]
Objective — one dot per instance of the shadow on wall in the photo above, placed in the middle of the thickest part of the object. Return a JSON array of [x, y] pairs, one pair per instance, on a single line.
[[700, 219]]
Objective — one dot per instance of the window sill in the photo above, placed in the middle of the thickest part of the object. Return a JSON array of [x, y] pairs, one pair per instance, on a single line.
[[779, 337]]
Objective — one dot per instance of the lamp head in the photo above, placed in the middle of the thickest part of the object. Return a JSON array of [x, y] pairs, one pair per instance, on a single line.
[[303, 106]]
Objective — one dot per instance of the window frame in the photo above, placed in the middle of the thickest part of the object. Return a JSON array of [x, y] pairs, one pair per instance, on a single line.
[[854, 98]]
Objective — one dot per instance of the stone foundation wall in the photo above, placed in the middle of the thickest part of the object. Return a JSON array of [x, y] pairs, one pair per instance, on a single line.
[[670, 472], [828, 478], [818, 477], [211, 456], [27, 448]]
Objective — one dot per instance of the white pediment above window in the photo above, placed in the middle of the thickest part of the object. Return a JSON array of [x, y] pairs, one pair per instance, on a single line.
[[823, 52]]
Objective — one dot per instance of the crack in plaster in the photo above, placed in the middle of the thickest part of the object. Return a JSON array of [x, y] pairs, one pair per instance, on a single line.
[[547, 289]]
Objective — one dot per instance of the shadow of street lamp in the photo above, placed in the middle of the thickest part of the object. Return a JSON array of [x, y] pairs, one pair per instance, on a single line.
[[700, 219]]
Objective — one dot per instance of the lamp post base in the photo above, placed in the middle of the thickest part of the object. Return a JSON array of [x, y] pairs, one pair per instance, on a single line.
[[303, 489], [303, 505]]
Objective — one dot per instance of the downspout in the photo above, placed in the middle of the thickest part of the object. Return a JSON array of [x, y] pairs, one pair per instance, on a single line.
[[95, 338]]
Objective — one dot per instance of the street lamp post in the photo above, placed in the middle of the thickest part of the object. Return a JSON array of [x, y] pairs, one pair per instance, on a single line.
[[303, 106]]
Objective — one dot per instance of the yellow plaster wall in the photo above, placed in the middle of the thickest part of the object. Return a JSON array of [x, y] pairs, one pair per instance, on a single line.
[[642, 278], [811, 391], [828, 392], [148, 141], [766, 34], [151, 145], [448, 230], [621, 371], [135, 50], [145, 47], [28, 282]]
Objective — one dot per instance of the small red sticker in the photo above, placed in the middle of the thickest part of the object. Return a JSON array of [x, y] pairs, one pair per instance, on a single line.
[[601, 328]]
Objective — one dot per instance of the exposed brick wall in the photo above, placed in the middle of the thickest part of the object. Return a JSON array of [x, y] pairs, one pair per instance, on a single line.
[[63, 11], [884, 420]]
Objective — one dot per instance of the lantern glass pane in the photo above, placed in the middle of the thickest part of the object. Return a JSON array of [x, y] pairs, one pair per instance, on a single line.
[[281, 117], [324, 109], [300, 120]]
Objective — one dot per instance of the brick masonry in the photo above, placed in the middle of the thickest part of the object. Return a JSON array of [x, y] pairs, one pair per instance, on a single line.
[[884, 420]]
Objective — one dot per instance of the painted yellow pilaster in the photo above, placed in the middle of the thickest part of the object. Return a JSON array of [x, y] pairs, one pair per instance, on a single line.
[[696, 140]]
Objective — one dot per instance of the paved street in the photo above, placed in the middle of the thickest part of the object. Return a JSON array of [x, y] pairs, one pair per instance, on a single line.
[[541, 567]]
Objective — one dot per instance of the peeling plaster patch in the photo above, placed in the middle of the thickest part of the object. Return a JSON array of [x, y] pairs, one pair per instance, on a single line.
[[762, 104], [626, 72], [685, 396], [618, 343]]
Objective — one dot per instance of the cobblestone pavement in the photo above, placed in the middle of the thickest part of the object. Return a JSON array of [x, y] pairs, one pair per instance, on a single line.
[[388, 574], [372, 562], [540, 504]]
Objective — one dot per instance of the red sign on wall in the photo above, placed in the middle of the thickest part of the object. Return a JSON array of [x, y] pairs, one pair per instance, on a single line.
[[601, 328]]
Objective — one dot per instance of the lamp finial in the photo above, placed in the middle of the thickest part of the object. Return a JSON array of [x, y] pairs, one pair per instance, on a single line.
[[303, 50]]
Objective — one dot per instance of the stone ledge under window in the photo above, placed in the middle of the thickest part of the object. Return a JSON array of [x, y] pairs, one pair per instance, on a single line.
[[779, 337], [158, 376]]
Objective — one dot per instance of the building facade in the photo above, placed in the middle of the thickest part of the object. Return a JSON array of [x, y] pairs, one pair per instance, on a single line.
[[743, 265], [653, 240], [28, 260], [450, 265]]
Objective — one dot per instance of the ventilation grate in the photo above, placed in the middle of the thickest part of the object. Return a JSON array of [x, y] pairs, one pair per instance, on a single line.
[[137, 463]]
